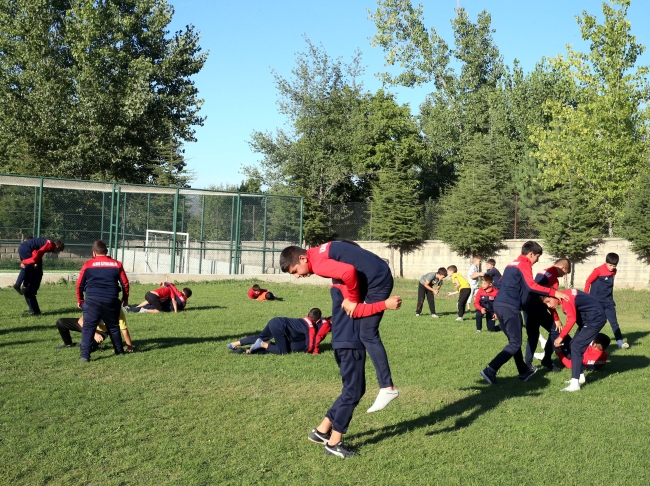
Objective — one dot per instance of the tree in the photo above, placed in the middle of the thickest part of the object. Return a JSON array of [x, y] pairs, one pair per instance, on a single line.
[[397, 212], [96, 90], [636, 219], [600, 139], [572, 228], [474, 219]]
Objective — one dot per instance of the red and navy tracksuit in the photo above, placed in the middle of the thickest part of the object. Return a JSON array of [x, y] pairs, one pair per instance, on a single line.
[[98, 288], [496, 276], [600, 284], [593, 359], [292, 335], [514, 286], [31, 255], [363, 278], [582, 309], [485, 300], [537, 314]]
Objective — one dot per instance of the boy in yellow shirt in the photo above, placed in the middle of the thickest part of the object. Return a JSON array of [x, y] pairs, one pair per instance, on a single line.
[[67, 324], [463, 290]]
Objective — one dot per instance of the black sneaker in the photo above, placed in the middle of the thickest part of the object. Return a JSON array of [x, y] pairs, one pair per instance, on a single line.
[[318, 437], [339, 450], [489, 375], [528, 374]]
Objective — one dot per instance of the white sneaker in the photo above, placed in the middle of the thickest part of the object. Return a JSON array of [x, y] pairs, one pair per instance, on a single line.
[[571, 388], [435, 316], [142, 310], [539, 356], [383, 399], [459, 319], [417, 315], [624, 346]]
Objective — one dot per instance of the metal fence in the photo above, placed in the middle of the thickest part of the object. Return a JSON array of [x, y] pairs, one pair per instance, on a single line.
[[149, 228]]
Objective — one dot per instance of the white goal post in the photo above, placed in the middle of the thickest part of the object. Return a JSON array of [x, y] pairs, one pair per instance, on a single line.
[[186, 263]]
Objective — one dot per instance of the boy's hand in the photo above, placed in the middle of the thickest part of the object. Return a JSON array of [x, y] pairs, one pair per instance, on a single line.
[[98, 338], [559, 325], [561, 296], [435, 291], [394, 302], [483, 311], [348, 307], [558, 342], [495, 317], [449, 294]]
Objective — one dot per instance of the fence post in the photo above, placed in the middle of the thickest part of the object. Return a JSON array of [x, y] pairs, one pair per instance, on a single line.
[[266, 200], [40, 210], [301, 215], [35, 211], [516, 208], [110, 224], [148, 209], [117, 223], [173, 265], [238, 235], [123, 227], [232, 223], [183, 216], [201, 236], [101, 231]]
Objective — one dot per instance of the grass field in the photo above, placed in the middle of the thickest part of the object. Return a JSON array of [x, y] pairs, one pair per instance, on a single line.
[[182, 410]]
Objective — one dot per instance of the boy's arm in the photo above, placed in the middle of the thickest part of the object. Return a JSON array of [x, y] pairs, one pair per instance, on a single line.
[[330, 268], [570, 312], [529, 281], [477, 301], [174, 304], [127, 339], [365, 310], [565, 361], [324, 330], [124, 283], [37, 255], [590, 279]]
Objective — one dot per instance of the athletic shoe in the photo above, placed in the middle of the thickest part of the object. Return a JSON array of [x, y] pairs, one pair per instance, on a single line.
[[489, 375], [497, 328], [539, 356], [435, 316], [318, 437], [478, 330], [624, 346], [339, 450], [552, 368], [528, 374], [238, 351], [571, 388], [63, 346], [417, 315], [84, 360], [142, 310], [230, 346], [582, 380], [384, 397], [256, 345], [459, 319]]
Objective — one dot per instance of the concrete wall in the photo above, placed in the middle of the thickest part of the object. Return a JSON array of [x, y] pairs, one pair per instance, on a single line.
[[632, 273]]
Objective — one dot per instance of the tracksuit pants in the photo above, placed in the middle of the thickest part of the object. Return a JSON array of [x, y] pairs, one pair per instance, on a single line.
[[463, 297], [535, 321], [422, 292], [488, 320], [581, 339], [511, 323], [31, 283], [275, 330], [610, 313], [352, 367], [67, 324], [95, 310]]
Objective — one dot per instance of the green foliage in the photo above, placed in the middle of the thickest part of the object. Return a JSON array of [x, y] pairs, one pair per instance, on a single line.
[[96, 90], [185, 411], [396, 211], [636, 219], [474, 218]]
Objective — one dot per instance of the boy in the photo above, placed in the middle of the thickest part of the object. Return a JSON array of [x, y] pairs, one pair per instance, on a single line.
[[31, 253], [98, 287], [163, 299], [472, 278], [463, 290], [290, 335], [363, 278], [67, 324], [537, 315], [491, 269], [515, 284], [258, 293], [594, 358], [586, 311], [484, 305], [429, 285], [600, 284]]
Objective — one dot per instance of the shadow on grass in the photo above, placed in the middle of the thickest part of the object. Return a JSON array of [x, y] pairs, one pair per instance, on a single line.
[[146, 345], [619, 364], [635, 337], [12, 330], [466, 410], [59, 312], [18, 343], [205, 307]]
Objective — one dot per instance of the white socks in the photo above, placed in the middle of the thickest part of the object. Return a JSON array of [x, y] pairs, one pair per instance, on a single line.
[[573, 386], [383, 399], [542, 341]]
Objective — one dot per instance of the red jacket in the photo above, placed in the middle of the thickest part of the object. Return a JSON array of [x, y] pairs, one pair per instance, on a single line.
[[163, 293], [321, 264], [362, 310], [254, 294], [178, 295], [315, 338], [37, 255], [592, 357], [483, 295]]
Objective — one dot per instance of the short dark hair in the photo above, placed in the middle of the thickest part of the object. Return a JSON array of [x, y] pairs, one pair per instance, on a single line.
[[256, 287], [564, 261], [611, 258], [188, 292], [491, 261], [269, 296], [314, 314], [488, 278], [442, 271], [603, 340], [531, 246], [59, 245], [289, 257], [100, 248], [453, 268]]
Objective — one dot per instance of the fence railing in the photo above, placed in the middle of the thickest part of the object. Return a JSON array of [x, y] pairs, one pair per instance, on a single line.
[[189, 230]]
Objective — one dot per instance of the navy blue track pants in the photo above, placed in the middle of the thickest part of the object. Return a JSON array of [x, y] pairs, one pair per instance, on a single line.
[[352, 366], [93, 312], [511, 323]]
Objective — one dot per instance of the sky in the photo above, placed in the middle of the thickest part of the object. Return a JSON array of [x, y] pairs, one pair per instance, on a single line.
[[247, 40]]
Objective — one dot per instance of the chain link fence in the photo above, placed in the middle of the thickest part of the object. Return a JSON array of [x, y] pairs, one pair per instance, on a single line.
[[149, 228]]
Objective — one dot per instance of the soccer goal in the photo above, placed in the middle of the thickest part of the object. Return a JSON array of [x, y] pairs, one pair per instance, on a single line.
[[157, 240]]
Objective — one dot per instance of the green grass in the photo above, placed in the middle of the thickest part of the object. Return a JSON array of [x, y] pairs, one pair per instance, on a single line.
[[182, 410]]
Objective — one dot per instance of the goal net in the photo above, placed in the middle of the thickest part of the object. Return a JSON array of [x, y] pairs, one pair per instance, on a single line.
[[159, 243]]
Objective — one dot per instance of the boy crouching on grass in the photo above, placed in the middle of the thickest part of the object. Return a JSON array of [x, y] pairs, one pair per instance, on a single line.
[[484, 305], [258, 293], [67, 324]]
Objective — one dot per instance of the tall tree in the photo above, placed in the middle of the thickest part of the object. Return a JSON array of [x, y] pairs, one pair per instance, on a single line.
[[93, 90], [600, 139], [636, 218]]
